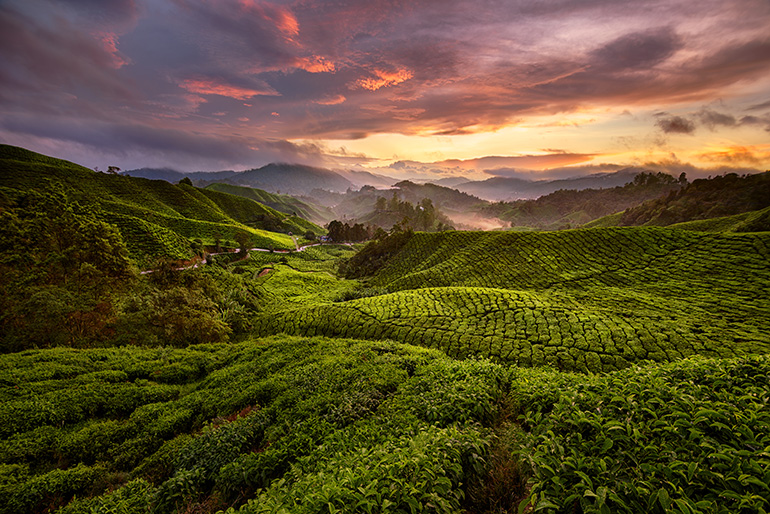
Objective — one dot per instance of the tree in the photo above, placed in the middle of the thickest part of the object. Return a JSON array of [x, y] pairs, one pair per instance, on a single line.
[[336, 230], [186, 181], [244, 241]]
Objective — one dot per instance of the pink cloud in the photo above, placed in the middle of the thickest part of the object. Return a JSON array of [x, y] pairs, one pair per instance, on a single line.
[[205, 86], [331, 100]]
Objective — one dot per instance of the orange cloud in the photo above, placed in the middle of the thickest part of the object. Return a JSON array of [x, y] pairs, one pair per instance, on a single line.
[[279, 16], [535, 162], [212, 87], [383, 78], [738, 154], [315, 64], [332, 100]]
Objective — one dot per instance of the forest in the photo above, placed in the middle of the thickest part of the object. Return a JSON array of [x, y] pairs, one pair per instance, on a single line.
[[164, 349]]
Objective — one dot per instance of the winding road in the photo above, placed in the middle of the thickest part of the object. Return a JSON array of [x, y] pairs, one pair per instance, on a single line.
[[238, 250]]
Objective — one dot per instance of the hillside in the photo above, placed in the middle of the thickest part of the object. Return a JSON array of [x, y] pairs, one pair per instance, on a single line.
[[283, 203], [156, 218], [720, 196], [753, 221], [507, 189], [366, 205], [588, 300], [571, 208]]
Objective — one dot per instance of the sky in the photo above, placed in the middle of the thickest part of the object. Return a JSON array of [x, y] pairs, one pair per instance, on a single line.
[[431, 88]]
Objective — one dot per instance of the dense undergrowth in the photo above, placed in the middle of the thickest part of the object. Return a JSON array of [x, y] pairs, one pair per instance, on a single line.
[[298, 424]]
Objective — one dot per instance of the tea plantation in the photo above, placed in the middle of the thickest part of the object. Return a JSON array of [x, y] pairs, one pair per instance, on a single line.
[[598, 370], [587, 300], [319, 425]]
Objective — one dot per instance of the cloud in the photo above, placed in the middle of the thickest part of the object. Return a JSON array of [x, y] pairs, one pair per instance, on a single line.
[[331, 100], [377, 79], [38, 60], [738, 154], [713, 119], [674, 166], [212, 86], [352, 68], [635, 51], [675, 125]]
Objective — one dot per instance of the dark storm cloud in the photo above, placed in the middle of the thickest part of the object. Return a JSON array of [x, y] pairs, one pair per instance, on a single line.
[[675, 124]]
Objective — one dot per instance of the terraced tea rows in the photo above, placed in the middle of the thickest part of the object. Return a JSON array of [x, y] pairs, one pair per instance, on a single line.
[[211, 426], [588, 300]]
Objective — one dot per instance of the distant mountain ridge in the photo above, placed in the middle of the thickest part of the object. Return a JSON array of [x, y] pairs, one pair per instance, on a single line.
[[293, 179], [568, 208], [508, 189], [298, 179]]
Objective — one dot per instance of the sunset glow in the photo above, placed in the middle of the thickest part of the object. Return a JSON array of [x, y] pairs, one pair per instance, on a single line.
[[452, 87]]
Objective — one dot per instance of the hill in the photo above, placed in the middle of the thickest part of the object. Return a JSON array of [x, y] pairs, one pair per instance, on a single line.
[[511, 188], [570, 208], [723, 195], [156, 218], [588, 300], [293, 179], [284, 203], [754, 221], [376, 207], [618, 369]]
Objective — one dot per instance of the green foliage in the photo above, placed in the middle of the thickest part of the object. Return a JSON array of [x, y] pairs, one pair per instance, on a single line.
[[753, 221], [263, 420], [283, 203], [375, 255], [154, 217], [723, 195], [686, 437], [59, 272], [255, 215]]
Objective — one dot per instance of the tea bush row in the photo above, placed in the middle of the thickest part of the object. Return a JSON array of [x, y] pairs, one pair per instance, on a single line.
[[252, 420], [526, 328], [690, 437]]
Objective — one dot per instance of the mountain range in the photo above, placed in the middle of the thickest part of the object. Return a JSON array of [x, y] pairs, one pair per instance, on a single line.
[[296, 179]]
